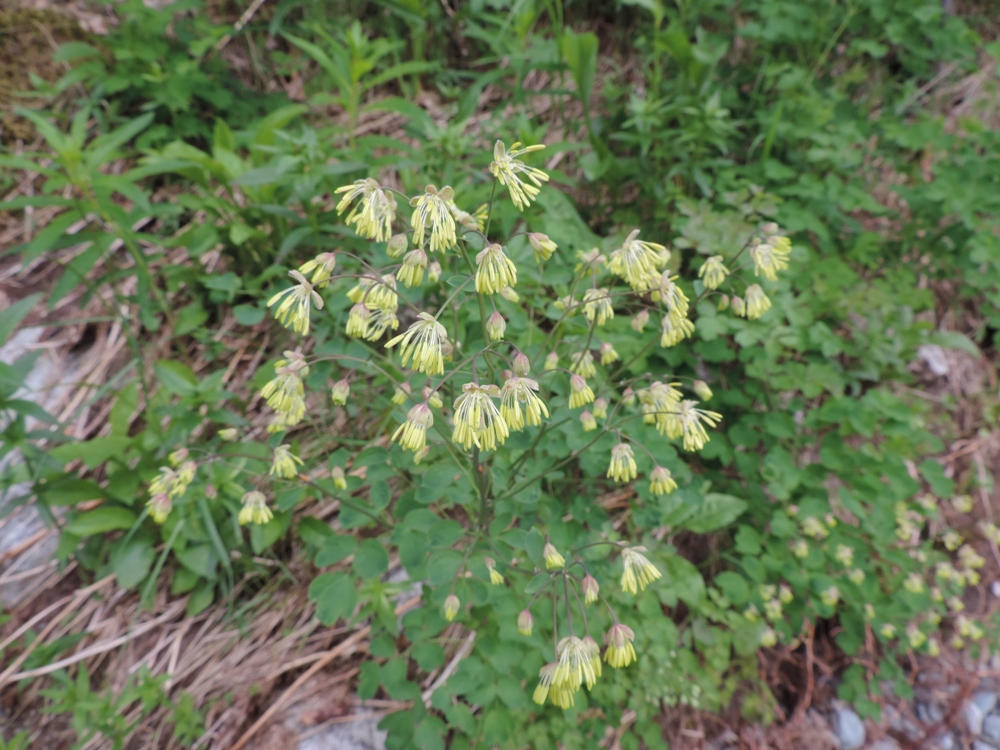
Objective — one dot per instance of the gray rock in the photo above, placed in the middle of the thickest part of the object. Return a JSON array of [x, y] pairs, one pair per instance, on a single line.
[[848, 727], [929, 713], [991, 727], [885, 744], [944, 742], [978, 708], [362, 734], [935, 359]]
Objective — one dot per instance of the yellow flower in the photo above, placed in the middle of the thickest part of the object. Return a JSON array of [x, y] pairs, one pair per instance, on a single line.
[[583, 364], [637, 262], [495, 578], [545, 677], [600, 408], [659, 404], [591, 589], [341, 392], [423, 343], [507, 168], [701, 389], [515, 392], [597, 306], [770, 256], [687, 421], [477, 420], [914, 583], [451, 607], [813, 527], [713, 272], [574, 665], [380, 322], [640, 320], [542, 246], [772, 609], [844, 555], [551, 362], [321, 267], [494, 271], [552, 557], [510, 295], [373, 216], [495, 326], [739, 306], [401, 394], [622, 467], [638, 572], [411, 273], [579, 392], [525, 623], [254, 509], [830, 596], [674, 330], [620, 652], [587, 421], [434, 272], [521, 364], [283, 463], [751, 613], [432, 397], [661, 482], [757, 302], [293, 312], [888, 630], [673, 296], [412, 434], [285, 392], [800, 548], [339, 480], [357, 321], [228, 434], [785, 594], [593, 652], [962, 503], [431, 210], [591, 261], [856, 576], [608, 354], [915, 636], [160, 506]]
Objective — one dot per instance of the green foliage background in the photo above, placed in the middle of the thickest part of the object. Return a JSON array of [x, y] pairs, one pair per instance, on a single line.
[[691, 120]]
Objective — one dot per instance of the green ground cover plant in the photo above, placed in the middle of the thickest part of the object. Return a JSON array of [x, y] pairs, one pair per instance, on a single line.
[[817, 499]]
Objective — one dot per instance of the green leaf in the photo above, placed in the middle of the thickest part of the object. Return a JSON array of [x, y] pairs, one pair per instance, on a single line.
[[101, 520], [13, 314], [248, 315], [176, 377], [314, 532], [334, 595], [131, 564], [443, 566], [537, 583], [734, 586], [580, 53], [371, 560], [955, 340], [200, 559], [203, 596], [94, 452], [715, 511]]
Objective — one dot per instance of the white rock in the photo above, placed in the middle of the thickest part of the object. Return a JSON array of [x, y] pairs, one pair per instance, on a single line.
[[887, 744], [991, 727], [848, 727], [977, 709]]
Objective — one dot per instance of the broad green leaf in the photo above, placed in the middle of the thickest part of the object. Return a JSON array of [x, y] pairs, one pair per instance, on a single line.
[[101, 520], [176, 377], [334, 595], [335, 549], [580, 53], [132, 563], [715, 511]]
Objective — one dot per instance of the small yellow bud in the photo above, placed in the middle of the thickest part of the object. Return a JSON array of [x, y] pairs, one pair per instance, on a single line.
[[510, 295], [579, 392], [608, 354], [600, 408], [402, 394], [591, 589], [254, 509], [522, 365], [551, 361], [700, 387], [661, 482], [723, 303], [739, 306], [339, 479], [525, 622], [495, 578], [341, 391], [768, 638], [640, 320], [434, 272], [869, 612], [541, 245], [888, 630], [588, 421], [800, 548], [229, 434], [856, 576], [397, 245], [178, 457], [495, 326], [620, 651], [451, 607], [552, 557], [160, 506], [785, 594]]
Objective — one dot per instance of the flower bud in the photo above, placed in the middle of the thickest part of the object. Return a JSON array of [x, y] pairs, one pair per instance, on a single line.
[[510, 295], [210, 492], [739, 306], [769, 228], [768, 638], [432, 397], [552, 557], [588, 421], [525, 622], [600, 408], [397, 245], [723, 303], [339, 479], [228, 434], [551, 361], [590, 589], [608, 354], [640, 320], [402, 394], [522, 365], [701, 388], [628, 396], [496, 326], [451, 607], [434, 272], [542, 245], [341, 391], [178, 457]]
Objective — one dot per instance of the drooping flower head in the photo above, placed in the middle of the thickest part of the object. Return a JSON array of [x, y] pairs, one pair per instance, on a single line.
[[553, 560], [477, 420], [423, 342], [451, 606], [687, 422], [321, 267], [373, 215], [430, 211], [583, 364], [600, 408], [412, 434], [160, 506], [622, 467], [580, 393], [293, 312], [701, 389], [770, 256], [597, 306], [574, 664], [520, 404], [661, 482], [638, 572], [757, 302], [674, 330], [672, 296], [608, 354], [340, 392], [713, 272], [591, 589], [411, 273], [495, 577], [508, 169], [496, 326], [285, 393], [620, 652], [494, 271], [525, 622], [254, 509], [283, 464], [637, 262], [587, 421], [542, 246]]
